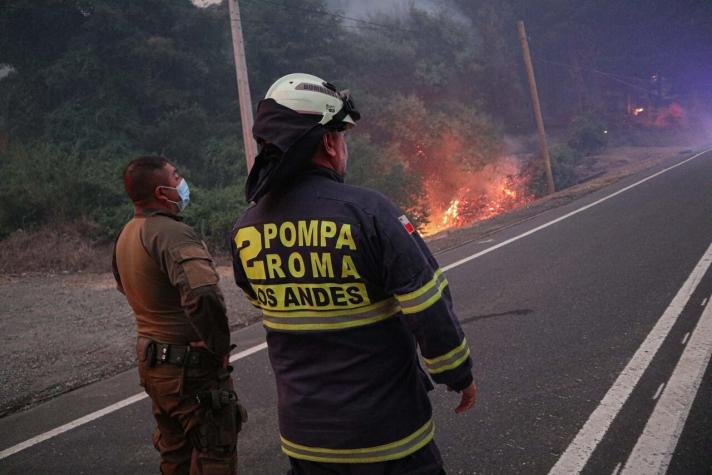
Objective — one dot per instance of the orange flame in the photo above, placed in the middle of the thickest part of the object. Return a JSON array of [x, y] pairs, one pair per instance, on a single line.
[[483, 194]]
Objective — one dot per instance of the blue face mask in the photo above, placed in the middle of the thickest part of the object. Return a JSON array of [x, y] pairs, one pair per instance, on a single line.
[[184, 193]]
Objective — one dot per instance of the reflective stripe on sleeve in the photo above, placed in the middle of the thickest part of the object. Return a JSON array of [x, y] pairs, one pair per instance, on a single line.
[[425, 296], [301, 320], [393, 451], [451, 359]]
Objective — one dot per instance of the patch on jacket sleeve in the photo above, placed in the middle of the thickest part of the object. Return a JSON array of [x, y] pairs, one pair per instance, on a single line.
[[197, 265], [406, 224]]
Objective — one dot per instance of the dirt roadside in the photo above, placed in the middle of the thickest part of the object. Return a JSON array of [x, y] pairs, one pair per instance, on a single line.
[[60, 332]]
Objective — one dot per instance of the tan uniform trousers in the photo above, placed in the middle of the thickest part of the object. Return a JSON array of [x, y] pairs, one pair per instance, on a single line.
[[191, 438]]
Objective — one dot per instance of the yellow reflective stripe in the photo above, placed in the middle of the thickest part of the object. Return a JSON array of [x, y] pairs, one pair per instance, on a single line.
[[330, 313], [448, 355], [438, 292], [330, 319], [404, 298], [326, 326], [392, 451], [452, 365]]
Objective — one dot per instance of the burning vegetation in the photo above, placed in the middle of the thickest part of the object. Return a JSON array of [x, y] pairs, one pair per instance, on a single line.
[[475, 195], [458, 195], [462, 173]]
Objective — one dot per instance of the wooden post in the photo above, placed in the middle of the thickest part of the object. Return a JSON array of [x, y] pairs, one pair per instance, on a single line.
[[543, 148], [243, 84]]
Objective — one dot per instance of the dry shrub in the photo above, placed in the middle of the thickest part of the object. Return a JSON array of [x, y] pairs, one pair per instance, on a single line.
[[64, 247]]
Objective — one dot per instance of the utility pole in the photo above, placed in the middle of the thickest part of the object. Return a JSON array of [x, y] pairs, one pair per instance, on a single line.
[[543, 148], [243, 84]]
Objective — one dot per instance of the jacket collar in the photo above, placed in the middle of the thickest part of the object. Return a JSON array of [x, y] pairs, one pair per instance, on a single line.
[[323, 172], [149, 212]]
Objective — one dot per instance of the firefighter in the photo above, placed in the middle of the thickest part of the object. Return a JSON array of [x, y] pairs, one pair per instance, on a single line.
[[348, 290], [183, 344]]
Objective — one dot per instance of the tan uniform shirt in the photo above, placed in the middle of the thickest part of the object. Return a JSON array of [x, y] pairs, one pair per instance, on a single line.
[[170, 281]]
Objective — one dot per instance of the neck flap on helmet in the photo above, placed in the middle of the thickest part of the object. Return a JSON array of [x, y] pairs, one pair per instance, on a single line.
[[287, 141]]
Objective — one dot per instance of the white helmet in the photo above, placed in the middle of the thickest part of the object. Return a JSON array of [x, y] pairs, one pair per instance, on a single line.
[[309, 94]]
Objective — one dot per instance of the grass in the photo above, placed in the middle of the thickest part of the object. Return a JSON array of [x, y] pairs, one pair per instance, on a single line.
[[58, 248]]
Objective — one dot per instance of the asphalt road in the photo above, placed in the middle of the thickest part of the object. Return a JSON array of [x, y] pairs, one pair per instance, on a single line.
[[591, 339]]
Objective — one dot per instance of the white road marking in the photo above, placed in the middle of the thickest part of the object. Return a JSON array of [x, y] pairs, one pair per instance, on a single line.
[[102, 412], [617, 469], [137, 397], [568, 215], [704, 302], [656, 445], [248, 352], [485, 241], [71, 425], [684, 339], [660, 390], [579, 451]]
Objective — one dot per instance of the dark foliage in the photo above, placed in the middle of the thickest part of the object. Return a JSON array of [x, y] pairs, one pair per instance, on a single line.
[[86, 85]]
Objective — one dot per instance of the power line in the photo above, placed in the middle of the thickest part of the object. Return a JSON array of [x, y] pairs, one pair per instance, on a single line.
[[595, 71]]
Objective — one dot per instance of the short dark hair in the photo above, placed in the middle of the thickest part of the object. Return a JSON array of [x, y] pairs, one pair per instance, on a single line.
[[143, 175]]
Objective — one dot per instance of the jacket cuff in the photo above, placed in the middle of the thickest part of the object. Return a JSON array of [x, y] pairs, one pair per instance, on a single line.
[[462, 384]]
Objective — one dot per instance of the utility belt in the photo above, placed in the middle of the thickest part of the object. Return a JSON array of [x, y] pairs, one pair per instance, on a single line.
[[155, 353], [222, 413]]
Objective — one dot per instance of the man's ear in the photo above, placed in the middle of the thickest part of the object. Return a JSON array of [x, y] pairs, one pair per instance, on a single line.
[[328, 142], [158, 194]]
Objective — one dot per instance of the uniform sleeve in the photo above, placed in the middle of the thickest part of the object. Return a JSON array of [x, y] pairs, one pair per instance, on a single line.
[[189, 266], [411, 274]]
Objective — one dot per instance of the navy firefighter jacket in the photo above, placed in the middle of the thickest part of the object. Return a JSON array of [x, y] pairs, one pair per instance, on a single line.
[[348, 290]]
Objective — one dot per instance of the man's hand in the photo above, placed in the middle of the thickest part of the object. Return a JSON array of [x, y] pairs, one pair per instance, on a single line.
[[469, 396]]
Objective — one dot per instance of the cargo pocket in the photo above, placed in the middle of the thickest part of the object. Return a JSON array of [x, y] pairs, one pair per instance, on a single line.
[[218, 428]]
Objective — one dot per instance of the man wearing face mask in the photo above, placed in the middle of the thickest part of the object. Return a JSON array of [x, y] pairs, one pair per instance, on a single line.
[[183, 344]]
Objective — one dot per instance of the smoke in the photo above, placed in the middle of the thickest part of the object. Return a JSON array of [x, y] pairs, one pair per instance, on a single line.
[[5, 70], [373, 9]]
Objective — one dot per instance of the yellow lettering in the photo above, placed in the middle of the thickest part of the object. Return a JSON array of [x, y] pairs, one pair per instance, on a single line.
[[288, 241], [274, 266], [348, 268], [328, 230], [307, 233], [296, 265], [311, 296], [345, 238], [270, 233], [321, 267], [252, 237]]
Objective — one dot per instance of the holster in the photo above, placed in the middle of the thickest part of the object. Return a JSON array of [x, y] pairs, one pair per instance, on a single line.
[[224, 417], [223, 414], [146, 351], [150, 354]]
